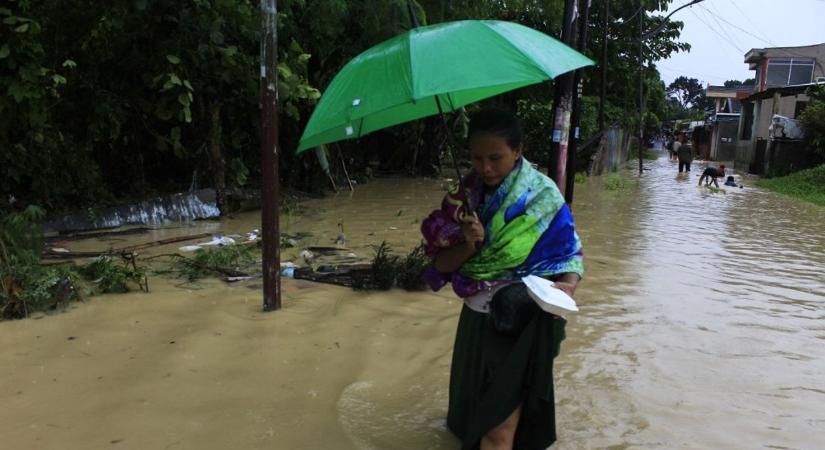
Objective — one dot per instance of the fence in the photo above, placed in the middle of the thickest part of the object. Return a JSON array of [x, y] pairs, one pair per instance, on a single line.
[[614, 150]]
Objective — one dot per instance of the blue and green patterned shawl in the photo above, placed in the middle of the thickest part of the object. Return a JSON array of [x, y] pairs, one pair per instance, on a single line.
[[529, 231]]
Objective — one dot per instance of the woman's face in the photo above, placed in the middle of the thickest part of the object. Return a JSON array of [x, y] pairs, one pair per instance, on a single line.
[[492, 158]]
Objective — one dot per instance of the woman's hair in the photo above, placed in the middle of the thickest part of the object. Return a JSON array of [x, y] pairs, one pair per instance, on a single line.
[[497, 122]]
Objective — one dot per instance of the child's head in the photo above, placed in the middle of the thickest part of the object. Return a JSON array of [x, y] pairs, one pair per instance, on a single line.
[[496, 140], [497, 122]]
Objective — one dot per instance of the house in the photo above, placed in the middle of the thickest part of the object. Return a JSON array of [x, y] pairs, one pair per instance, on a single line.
[[724, 119], [783, 75]]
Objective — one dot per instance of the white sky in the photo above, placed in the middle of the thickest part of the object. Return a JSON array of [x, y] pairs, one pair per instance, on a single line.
[[718, 47]]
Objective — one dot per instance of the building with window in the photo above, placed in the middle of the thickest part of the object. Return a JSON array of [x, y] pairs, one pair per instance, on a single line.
[[783, 75]]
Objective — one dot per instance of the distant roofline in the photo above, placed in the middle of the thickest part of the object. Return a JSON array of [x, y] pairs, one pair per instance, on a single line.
[[787, 90], [757, 54], [740, 88], [738, 92]]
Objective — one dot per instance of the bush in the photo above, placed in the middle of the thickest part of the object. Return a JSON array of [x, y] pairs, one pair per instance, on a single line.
[[807, 185], [109, 276], [813, 120], [25, 285]]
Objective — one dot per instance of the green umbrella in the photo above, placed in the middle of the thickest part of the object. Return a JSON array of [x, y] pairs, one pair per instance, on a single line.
[[434, 68]]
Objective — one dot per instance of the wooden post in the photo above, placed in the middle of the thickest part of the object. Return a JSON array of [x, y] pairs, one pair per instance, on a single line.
[[269, 157]]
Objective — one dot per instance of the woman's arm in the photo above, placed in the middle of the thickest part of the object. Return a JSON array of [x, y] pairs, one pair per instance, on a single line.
[[451, 259]]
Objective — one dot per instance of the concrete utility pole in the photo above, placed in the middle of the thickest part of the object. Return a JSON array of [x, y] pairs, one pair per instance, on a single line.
[[575, 116], [270, 182], [562, 103]]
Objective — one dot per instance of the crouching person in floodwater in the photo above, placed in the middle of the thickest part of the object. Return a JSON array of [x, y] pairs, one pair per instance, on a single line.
[[501, 380], [710, 175]]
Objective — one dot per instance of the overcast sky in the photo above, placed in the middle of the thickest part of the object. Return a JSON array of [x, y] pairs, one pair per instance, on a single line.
[[720, 32]]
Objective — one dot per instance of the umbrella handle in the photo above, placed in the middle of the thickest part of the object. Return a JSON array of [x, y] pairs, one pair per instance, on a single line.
[[451, 144]]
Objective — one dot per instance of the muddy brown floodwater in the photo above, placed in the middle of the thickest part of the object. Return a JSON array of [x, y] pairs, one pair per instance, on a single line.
[[702, 325]]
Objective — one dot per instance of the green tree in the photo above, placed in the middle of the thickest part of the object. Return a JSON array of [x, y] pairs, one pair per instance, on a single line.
[[690, 93], [813, 120]]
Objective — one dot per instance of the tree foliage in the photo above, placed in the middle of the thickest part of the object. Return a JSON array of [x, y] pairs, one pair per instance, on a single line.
[[127, 98], [690, 93], [813, 120]]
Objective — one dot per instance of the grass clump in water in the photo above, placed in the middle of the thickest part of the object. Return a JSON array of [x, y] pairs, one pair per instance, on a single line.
[[389, 270], [230, 260], [807, 185], [616, 182], [647, 153], [384, 268], [412, 268]]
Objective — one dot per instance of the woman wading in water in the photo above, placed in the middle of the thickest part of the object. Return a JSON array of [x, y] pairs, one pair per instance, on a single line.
[[501, 380]]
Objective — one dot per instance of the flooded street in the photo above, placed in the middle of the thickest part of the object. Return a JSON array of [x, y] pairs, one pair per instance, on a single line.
[[702, 325]]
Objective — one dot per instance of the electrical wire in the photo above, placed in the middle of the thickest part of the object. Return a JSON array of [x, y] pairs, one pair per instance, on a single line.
[[713, 15], [727, 41], [679, 70], [776, 47]]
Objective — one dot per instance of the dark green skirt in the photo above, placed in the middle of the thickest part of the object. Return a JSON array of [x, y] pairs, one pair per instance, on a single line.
[[492, 374]]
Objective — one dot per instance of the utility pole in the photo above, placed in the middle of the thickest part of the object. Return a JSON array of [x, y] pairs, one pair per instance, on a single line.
[[605, 21], [562, 104], [270, 182], [575, 116], [641, 88], [642, 37]]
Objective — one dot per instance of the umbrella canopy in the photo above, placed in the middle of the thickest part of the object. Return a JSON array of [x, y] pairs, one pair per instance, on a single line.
[[458, 62]]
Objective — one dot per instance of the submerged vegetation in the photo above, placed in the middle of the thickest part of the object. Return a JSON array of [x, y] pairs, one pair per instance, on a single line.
[[388, 270], [231, 260], [617, 182], [807, 185], [27, 286]]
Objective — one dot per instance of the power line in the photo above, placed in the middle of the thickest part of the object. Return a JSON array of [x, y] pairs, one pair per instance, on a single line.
[[715, 32], [746, 31], [789, 52], [730, 38], [713, 15], [680, 70], [755, 27]]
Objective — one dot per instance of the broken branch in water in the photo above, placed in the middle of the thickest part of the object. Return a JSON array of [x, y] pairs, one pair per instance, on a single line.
[[51, 254]]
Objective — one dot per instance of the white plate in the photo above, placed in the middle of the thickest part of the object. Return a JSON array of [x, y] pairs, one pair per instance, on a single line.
[[549, 298]]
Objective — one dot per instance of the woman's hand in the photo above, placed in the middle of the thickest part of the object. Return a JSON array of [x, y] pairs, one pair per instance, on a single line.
[[472, 230], [567, 282], [568, 288]]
